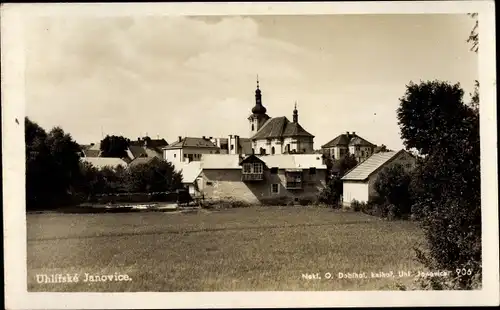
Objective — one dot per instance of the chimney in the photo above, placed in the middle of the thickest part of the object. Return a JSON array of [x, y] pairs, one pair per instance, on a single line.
[[211, 138], [353, 133], [180, 138], [347, 132], [204, 138], [230, 136]]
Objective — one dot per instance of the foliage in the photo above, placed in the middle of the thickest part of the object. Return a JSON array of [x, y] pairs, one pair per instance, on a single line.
[[344, 164], [393, 186], [446, 184], [474, 34], [380, 149], [52, 166], [114, 146], [330, 195]]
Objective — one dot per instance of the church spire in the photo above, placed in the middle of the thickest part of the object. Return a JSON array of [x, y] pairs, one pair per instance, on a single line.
[[295, 114], [258, 108]]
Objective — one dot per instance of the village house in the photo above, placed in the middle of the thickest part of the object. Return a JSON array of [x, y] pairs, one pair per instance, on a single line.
[[256, 178], [189, 149], [146, 147], [348, 143], [358, 183], [277, 135]]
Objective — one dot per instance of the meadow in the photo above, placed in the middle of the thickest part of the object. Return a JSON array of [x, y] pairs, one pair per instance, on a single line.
[[245, 249]]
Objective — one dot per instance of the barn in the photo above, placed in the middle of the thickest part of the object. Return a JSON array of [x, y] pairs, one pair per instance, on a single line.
[[358, 183]]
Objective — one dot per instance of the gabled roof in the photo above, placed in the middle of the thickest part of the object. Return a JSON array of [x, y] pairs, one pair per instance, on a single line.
[[346, 140], [137, 151], [251, 158], [191, 142], [101, 162], [142, 160], [358, 141], [372, 164], [279, 127], [190, 171]]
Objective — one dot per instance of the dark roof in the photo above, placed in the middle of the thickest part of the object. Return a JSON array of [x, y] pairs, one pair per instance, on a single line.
[[137, 151], [191, 142], [279, 127], [152, 143], [346, 140], [360, 141], [142, 161]]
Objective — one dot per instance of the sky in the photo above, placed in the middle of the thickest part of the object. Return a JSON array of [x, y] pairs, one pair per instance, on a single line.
[[196, 76]]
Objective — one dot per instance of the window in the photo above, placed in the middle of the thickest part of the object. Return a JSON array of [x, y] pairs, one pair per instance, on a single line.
[[257, 168], [272, 150], [209, 183], [312, 170], [175, 155], [247, 168], [253, 150], [232, 146], [253, 128], [362, 153], [274, 170], [262, 151], [275, 188], [303, 150], [185, 155]]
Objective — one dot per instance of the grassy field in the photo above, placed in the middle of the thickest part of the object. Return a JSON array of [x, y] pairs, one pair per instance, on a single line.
[[248, 249]]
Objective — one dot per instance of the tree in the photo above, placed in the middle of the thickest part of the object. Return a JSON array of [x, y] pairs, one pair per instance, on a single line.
[[393, 186], [37, 165], [114, 146], [436, 122], [344, 164], [474, 34], [52, 166], [155, 176], [380, 149]]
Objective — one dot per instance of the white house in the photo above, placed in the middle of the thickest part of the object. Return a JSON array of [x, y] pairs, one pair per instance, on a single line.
[[189, 149], [190, 173], [358, 184]]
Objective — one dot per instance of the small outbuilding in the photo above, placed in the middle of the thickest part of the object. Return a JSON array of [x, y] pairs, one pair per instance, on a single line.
[[358, 183]]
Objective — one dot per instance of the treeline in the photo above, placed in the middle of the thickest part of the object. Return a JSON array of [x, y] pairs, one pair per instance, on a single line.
[[55, 175]]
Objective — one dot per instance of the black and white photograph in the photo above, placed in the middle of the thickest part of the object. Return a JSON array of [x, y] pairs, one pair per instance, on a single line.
[[249, 148]]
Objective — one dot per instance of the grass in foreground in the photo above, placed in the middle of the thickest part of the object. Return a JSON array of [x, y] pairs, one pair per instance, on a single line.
[[247, 249]]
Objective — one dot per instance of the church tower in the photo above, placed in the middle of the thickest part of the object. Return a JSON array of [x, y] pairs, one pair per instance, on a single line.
[[258, 116]]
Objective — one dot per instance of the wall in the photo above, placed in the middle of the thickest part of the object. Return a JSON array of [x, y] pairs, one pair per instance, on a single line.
[[227, 184], [174, 156], [296, 145], [354, 190]]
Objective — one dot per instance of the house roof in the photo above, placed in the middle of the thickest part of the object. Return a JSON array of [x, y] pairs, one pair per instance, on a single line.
[[141, 161], [190, 171], [137, 151], [90, 150], [220, 161], [151, 143], [372, 164], [101, 162], [278, 127], [191, 142], [346, 140], [295, 161], [358, 141]]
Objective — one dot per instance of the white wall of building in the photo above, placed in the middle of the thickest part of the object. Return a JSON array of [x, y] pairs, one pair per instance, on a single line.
[[354, 191]]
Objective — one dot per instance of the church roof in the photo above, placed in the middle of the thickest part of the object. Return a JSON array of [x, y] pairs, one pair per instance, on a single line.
[[279, 127]]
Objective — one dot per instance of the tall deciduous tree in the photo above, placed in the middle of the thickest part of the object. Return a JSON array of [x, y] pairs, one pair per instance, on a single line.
[[436, 122], [114, 146]]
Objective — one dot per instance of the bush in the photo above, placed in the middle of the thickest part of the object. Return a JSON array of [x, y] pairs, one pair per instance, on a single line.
[[278, 201], [330, 195], [393, 186]]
